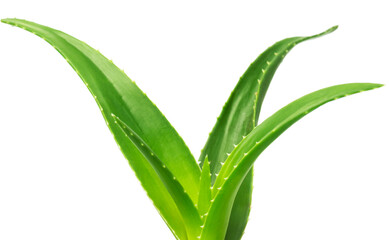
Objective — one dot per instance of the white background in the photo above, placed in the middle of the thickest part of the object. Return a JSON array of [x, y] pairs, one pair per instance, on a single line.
[[63, 177]]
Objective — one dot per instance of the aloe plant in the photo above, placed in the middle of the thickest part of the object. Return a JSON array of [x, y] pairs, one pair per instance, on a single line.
[[210, 200]]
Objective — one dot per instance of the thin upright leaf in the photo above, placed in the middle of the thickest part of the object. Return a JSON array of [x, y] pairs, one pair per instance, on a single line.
[[239, 117], [205, 189]]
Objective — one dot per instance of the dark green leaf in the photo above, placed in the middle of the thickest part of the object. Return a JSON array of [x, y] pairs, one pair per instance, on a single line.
[[239, 116]]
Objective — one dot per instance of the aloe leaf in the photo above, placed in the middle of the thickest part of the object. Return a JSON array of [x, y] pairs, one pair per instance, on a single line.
[[239, 116], [244, 155], [184, 204], [205, 189], [115, 92]]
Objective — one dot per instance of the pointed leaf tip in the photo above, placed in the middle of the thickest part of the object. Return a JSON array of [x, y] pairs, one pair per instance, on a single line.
[[328, 31], [332, 29], [264, 134], [115, 92], [373, 86], [240, 116]]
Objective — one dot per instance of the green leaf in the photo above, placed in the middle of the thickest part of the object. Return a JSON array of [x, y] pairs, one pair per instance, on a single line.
[[239, 117], [115, 92], [184, 204], [205, 189], [244, 155]]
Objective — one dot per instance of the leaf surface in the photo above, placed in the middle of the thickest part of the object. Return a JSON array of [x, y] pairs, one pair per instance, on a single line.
[[115, 92], [183, 202], [205, 189], [239, 117], [242, 158]]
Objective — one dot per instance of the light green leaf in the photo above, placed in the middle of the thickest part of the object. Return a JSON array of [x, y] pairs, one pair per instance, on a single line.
[[184, 204], [239, 117], [244, 155], [115, 92], [205, 189]]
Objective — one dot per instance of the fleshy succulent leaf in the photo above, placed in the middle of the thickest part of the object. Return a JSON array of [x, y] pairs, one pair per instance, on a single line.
[[183, 202], [115, 92], [240, 161], [211, 202], [241, 111], [205, 189], [239, 117]]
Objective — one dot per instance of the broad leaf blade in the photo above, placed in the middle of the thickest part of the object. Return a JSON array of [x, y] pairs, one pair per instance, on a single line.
[[244, 155], [115, 92], [183, 202], [240, 116]]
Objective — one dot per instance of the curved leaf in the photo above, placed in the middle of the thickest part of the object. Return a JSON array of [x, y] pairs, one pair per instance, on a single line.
[[239, 117], [115, 92], [244, 155], [184, 204]]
